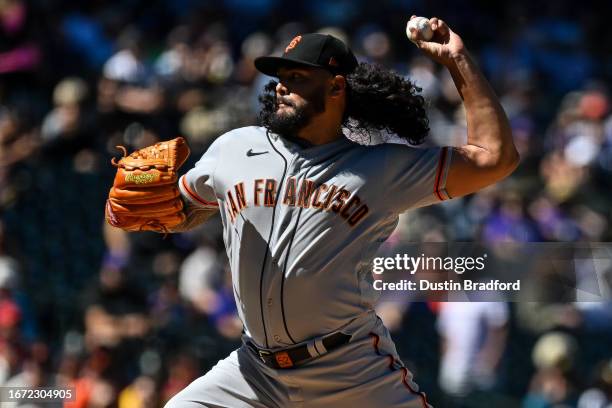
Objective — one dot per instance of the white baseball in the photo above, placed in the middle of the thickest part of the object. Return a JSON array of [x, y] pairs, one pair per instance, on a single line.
[[421, 26]]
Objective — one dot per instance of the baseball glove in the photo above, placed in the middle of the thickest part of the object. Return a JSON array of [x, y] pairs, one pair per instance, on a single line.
[[145, 195]]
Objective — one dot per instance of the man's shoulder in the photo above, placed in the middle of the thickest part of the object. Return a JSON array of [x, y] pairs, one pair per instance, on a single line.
[[242, 134], [392, 155], [404, 150], [248, 136], [385, 149]]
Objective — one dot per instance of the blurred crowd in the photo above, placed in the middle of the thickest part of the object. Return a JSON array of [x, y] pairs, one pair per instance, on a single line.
[[130, 319]]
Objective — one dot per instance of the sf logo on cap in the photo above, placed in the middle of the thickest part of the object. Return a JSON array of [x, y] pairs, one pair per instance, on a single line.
[[293, 43]]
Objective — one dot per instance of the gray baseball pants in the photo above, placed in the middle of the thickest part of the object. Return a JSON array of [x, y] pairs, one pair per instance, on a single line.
[[365, 373]]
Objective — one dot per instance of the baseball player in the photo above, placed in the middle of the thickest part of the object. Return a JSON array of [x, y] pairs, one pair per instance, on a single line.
[[304, 210]]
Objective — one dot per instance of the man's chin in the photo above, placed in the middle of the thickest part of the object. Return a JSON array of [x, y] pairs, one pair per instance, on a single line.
[[285, 125], [285, 111], [284, 115]]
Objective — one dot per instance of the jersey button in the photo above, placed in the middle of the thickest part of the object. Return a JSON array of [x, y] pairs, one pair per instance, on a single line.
[[277, 337], [269, 301]]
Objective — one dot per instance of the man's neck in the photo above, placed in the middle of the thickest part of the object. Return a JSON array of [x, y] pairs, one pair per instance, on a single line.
[[319, 132]]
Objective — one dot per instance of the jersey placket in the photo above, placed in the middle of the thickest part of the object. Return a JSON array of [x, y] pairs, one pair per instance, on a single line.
[[300, 173]]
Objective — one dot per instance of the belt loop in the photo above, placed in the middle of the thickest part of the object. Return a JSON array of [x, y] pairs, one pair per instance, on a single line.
[[318, 343], [312, 350]]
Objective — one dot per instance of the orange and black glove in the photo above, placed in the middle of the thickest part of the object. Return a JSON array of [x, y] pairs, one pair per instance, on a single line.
[[145, 195]]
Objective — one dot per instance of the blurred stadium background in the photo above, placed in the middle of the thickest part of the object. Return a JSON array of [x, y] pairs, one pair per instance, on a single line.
[[131, 319]]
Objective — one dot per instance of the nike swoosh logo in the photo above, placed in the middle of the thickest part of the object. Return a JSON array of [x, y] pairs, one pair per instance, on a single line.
[[252, 153]]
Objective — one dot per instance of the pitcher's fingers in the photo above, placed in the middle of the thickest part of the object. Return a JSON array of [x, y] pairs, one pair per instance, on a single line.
[[433, 22], [442, 28], [427, 46]]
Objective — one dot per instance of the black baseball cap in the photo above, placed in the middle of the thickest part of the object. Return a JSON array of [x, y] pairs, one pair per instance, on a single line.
[[311, 50]]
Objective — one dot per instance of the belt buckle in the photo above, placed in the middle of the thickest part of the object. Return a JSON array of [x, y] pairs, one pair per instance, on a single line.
[[283, 359]]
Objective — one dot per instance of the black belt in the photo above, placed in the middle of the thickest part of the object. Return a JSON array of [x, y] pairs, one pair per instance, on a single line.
[[294, 356]]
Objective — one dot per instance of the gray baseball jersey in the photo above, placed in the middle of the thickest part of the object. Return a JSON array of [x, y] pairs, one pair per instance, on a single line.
[[302, 224]]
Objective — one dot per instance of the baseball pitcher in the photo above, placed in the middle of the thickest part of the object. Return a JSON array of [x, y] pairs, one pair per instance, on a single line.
[[305, 209]]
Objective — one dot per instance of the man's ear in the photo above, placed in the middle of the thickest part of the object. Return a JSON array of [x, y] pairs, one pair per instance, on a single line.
[[338, 85]]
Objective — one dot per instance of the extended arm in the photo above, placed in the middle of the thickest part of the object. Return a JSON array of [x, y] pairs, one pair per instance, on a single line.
[[490, 154]]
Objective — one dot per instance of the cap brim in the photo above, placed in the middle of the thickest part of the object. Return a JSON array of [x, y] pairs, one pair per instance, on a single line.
[[270, 65]]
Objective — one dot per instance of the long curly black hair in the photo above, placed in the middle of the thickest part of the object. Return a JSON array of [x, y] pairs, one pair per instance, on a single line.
[[379, 101]]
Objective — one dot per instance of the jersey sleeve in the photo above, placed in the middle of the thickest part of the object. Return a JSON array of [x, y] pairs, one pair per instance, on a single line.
[[197, 185], [416, 177]]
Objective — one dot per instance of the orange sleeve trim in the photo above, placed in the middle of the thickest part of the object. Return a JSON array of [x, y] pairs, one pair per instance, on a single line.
[[439, 172], [196, 197]]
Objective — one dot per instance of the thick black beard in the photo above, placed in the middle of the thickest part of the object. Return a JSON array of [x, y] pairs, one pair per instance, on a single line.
[[287, 124]]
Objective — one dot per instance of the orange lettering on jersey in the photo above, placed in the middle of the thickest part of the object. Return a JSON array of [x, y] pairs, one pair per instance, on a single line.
[[270, 193], [240, 196], [358, 215], [339, 200], [257, 190], [233, 208], [290, 192], [305, 193], [329, 197], [353, 201], [315, 197]]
